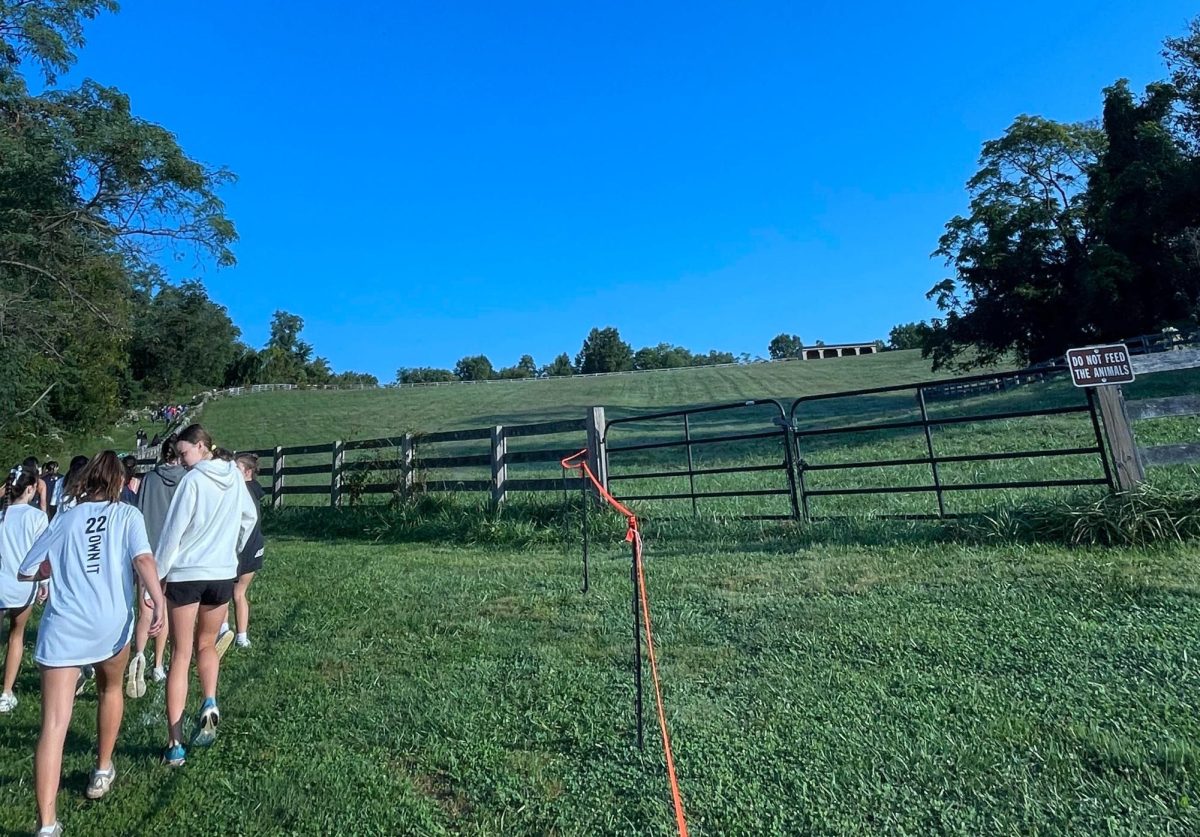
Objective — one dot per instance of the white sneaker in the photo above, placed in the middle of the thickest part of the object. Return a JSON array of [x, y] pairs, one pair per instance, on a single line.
[[8, 702], [242, 641], [100, 782], [135, 677], [49, 831], [159, 674], [223, 642]]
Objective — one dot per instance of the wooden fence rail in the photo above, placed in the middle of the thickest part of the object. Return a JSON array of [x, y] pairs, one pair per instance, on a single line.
[[401, 462]]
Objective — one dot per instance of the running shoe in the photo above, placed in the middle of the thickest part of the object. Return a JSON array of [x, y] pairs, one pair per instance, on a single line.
[[174, 756], [159, 674], [242, 641], [100, 782], [49, 831], [223, 642], [85, 673], [8, 702], [135, 677], [206, 729]]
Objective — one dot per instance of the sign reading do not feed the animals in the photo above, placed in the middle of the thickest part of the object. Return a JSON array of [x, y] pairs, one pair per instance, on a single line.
[[1096, 366]]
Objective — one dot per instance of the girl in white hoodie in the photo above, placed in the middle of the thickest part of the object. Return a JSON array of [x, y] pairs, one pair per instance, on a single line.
[[210, 517]]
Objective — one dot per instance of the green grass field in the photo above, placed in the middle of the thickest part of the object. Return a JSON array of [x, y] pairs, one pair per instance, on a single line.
[[902, 686]]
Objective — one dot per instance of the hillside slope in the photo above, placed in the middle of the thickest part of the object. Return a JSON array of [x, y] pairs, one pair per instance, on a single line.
[[304, 417]]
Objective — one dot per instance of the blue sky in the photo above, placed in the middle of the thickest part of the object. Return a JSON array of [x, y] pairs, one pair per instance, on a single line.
[[425, 181]]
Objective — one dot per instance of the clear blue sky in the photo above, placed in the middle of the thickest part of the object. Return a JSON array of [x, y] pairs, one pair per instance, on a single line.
[[422, 181]]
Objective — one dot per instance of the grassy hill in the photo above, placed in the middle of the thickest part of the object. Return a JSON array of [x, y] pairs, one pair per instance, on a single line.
[[289, 418]]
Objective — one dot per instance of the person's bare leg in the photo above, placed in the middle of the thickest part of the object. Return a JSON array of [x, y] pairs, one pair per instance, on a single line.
[[182, 619], [110, 706], [141, 634], [58, 700], [16, 645], [160, 648], [241, 604], [207, 661]]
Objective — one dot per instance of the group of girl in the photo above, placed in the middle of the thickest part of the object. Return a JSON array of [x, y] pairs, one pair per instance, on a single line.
[[194, 517]]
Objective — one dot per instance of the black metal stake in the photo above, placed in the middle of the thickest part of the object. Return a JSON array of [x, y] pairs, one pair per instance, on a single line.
[[687, 438], [637, 644], [583, 496], [937, 482]]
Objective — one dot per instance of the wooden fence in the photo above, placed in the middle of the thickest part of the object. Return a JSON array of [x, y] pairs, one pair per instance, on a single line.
[[480, 459]]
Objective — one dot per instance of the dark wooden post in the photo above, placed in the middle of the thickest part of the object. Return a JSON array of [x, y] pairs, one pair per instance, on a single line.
[[277, 479], [499, 466], [1119, 431], [335, 474], [597, 457]]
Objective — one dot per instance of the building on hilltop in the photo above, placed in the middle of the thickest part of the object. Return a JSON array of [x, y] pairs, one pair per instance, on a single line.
[[838, 350]]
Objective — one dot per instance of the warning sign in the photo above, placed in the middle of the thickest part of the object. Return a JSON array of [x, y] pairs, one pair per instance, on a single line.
[[1097, 366]]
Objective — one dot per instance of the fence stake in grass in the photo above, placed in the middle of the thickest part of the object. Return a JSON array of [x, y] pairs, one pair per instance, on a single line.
[[637, 641], [583, 505], [937, 482]]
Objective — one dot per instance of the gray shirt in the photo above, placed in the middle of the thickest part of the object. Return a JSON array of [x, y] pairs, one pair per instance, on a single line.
[[154, 497]]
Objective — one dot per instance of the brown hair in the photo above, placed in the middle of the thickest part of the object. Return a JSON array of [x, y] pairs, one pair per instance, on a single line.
[[19, 480], [195, 434], [224, 454], [249, 461], [167, 452], [101, 479]]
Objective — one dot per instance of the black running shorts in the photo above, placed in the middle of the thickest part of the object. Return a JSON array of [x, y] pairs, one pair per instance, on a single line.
[[203, 592]]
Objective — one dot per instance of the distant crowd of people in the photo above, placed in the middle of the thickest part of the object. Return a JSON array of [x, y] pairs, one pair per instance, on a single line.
[[168, 413], [114, 558]]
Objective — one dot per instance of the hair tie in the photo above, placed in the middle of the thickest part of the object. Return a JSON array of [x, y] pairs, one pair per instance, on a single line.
[[15, 473]]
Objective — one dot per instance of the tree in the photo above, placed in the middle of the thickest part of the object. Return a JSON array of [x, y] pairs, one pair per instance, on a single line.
[[90, 196], [559, 367], [1021, 254], [784, 346], [352, 379], [474, 368], [1182, 55], [525, 368], [424, 375], [46, 32], [603, 350], [908, 335], [181, 340]]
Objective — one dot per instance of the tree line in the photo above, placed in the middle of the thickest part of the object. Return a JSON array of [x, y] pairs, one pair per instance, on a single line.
[[92, 201], [1076, 233], [603, 350]]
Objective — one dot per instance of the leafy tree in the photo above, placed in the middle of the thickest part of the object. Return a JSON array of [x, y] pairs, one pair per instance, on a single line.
[[713, 358], [908, 335], [181, 339], [785, 346], [559, 367], [46, 32], [603, 350], [474, 368], [424, 375], [90, 195], [1182, 55], [245, 369], [662, 356], [352, 379], [1020, 256], [285, 359], [526, 365]]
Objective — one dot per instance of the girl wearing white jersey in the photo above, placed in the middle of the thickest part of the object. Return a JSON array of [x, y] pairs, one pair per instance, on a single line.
[[209, 520], [91, 554], [20, 524]]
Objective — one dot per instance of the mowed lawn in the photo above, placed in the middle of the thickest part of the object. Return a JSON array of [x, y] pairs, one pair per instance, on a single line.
[[841, 689]]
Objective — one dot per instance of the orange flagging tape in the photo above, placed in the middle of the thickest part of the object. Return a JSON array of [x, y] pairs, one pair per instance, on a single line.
[[578, 462]]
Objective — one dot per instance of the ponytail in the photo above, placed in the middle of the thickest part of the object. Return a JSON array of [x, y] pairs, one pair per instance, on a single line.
[[19, 480]]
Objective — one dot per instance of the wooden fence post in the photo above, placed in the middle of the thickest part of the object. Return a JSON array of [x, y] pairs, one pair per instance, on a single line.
[[499, 466], [335, 474], [407, 455], [277, 479], [1119, 432], [597, 457]]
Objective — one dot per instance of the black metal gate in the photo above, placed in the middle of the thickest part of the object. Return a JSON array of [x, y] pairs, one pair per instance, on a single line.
[[731, 428]]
